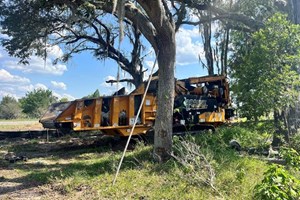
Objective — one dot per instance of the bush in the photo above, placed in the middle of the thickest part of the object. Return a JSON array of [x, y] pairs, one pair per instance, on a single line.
[[295, 141], [247, 137], [9, 108], [292, 157], [36, 102], [278, 184]]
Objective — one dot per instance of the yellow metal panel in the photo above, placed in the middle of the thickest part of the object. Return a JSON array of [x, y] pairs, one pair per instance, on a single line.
[[115, 111], [120, 104], [78, 110], [139, 90], [203, 79], [97, 113], [68, 114], [149, 109], [87, 117], [209, 117], [124, 107], [131, 107]]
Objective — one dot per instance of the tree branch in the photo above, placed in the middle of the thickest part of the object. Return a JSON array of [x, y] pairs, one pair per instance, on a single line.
[[122, 80]]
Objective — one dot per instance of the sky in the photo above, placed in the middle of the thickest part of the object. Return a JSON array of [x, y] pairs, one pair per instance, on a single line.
[[84, 74]]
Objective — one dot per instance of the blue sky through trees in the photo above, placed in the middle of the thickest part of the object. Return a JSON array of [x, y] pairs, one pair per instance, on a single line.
[[83, 74]]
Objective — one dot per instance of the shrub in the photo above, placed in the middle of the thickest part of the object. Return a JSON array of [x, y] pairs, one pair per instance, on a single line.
[[9, 108], [278, 184], [295, 141], [247, 137], [291, 156], [36, 102]]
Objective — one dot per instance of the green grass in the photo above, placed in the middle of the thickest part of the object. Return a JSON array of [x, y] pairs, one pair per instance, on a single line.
[[140, 176], [88, 172]]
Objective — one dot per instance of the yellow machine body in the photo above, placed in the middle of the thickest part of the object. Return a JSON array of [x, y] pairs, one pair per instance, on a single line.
[[115, 115]]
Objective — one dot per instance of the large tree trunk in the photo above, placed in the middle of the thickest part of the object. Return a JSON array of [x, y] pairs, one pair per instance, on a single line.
[[163, 122], [294, 7], [165, 48], [297, 11]]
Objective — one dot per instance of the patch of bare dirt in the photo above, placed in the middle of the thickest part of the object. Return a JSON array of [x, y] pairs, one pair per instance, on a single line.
[[13, 185], [15, 182]]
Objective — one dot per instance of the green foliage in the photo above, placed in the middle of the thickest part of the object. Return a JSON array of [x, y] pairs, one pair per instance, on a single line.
[[295, 141], [257, 9], [291, 156], [81, 169], [278, 184], [36, 102], [258, 136], [9, 108], [40, 19], [248, 137], [264, 71], [94, 95], [64, 99]]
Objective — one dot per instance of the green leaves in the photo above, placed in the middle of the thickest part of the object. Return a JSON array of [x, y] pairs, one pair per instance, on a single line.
[[278, 184], [9, 108], [265, 70], [292, 157], [35, 103]]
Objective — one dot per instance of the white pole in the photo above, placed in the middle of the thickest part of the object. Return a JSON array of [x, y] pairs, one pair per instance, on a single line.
[[135, 121]]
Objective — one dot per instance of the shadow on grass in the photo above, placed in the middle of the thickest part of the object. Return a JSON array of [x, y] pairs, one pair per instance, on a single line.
[[67, 148], [40, 173], [16, 184], [105, 161]]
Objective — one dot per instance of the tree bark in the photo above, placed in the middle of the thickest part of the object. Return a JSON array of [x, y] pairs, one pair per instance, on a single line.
[[208, 49], [166, 84], [297, 11], [294, 11], [165, 47], [293, 112], [224, 56]]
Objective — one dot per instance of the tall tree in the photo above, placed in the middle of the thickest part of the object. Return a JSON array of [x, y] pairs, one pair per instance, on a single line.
[[36, 102], [85, 26], [207, 35], [77, 27], [153, 19], [243, 15], [9, 108], [266, 71]]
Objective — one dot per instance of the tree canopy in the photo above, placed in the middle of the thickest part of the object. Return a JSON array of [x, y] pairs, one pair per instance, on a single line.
[[9, 108], [94, 94], [93, 26], [36, 102], [72, 22], [266, 70]]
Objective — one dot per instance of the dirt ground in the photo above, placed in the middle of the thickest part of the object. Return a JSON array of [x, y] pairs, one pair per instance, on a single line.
[[15, 179], [14, 186]]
